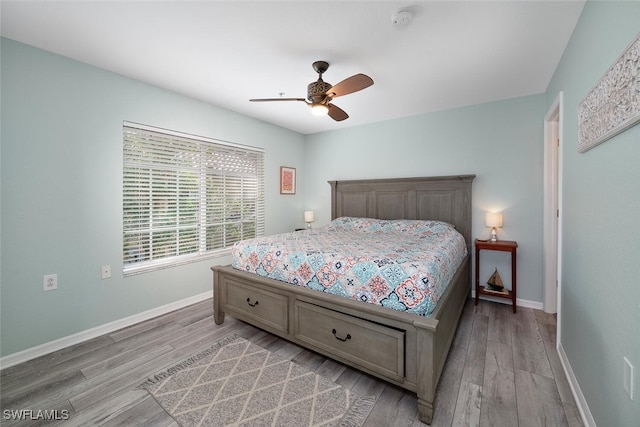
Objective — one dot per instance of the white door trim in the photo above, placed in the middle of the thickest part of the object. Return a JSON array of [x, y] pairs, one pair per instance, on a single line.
[[552, 224]]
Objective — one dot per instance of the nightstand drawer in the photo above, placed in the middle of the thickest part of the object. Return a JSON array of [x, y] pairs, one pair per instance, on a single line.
[[263, 307], [352, 339]]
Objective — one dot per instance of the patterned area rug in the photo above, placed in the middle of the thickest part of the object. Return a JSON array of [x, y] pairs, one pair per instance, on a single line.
[[237, 383]]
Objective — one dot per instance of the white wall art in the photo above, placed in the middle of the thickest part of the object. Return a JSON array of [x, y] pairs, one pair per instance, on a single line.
[[613, 105]]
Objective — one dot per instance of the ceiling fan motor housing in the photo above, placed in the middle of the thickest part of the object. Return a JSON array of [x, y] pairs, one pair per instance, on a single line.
[[317, 91]]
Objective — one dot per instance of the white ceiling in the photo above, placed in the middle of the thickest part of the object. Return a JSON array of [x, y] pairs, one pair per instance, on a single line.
[[453, 53]]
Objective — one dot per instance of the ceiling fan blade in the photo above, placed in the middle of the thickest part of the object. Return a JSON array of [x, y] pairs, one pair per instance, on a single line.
[[277, 99], [337, 113], [350, 85]]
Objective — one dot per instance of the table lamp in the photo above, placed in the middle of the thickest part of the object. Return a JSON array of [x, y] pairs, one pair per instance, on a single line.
[[493, 220], [308, 218]]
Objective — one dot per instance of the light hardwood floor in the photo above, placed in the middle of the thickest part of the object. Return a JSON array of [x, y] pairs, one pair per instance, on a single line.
[[503, 370]]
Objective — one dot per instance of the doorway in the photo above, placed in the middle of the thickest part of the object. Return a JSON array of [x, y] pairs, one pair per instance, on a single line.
[[552, 212]]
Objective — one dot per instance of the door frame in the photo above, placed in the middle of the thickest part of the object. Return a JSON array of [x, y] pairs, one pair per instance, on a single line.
[[552, 222]]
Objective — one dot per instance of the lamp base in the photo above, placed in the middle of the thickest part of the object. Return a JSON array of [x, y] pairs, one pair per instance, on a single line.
[[308, 226], [494, 235]]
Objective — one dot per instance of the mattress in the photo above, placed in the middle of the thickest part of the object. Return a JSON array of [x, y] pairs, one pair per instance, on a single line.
[[404, 265]]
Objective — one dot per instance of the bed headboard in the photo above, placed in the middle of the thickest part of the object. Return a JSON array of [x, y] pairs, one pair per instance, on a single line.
[[443, 198]]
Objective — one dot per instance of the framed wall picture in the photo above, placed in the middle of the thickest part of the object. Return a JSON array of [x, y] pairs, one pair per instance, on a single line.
[[287, 180]]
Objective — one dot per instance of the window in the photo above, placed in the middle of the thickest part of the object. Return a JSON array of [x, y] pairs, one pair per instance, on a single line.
[[186, 197]]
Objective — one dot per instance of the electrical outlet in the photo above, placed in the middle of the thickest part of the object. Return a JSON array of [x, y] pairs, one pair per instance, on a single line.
[[49, 282], [627, 381], [106, 271]]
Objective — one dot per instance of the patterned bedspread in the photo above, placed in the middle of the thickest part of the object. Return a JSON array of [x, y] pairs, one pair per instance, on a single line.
[[400, 264]]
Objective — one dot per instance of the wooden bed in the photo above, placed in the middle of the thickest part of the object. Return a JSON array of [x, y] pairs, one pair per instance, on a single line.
[[402, 348]]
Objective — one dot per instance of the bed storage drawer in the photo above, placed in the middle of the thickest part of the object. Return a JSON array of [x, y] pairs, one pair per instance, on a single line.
[[266, 309], [368, 345]]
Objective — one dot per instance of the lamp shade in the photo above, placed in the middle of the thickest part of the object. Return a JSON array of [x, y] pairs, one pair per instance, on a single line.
[[308, 216], [493, 219]]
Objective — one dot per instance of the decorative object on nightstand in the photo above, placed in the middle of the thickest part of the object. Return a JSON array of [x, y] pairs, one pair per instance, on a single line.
[[495, 285], [495, 281], [493, 220], [504, 246], [309, 218]]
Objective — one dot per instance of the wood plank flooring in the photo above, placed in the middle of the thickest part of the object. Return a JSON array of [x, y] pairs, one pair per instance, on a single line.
[[503, 370]]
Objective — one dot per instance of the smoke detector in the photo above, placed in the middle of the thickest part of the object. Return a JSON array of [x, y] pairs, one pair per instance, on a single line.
[[401, 19]]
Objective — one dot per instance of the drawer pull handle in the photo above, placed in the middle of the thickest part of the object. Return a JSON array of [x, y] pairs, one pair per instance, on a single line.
[[252, 305], [340, 339]]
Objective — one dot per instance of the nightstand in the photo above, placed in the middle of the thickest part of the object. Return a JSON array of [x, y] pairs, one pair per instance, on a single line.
[[504, 246]]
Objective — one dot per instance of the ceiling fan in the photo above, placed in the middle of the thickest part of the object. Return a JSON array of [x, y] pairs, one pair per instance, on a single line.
[[320, 93]]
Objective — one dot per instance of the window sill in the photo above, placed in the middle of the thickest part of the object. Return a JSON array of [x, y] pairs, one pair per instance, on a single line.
[[135, 269]]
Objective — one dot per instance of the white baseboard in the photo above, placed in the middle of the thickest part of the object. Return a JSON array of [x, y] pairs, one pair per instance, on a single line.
[[583, 408], [536, 305], [41, 350]]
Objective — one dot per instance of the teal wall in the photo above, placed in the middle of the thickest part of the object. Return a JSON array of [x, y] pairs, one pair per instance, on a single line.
[[600, 234], [500, 142], [61, 194]]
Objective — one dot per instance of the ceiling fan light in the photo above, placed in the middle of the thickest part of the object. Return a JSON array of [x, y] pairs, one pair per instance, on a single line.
[[319, 109]]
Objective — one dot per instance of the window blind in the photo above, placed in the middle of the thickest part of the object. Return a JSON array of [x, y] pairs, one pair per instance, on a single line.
[[186, 197]]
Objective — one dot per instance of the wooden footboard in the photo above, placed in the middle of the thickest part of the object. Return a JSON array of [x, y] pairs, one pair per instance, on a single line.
[[411, 349]]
